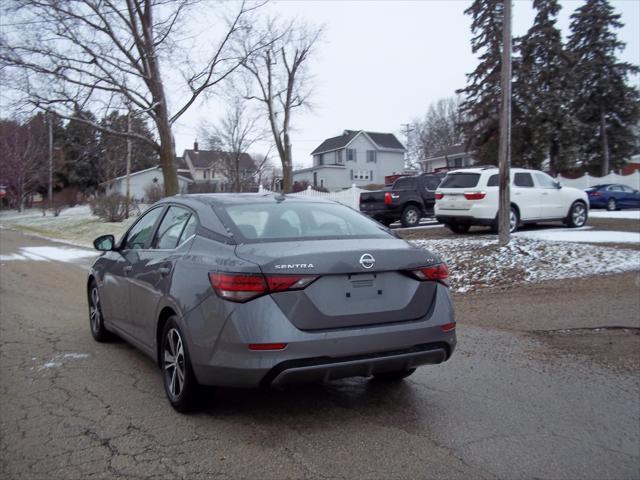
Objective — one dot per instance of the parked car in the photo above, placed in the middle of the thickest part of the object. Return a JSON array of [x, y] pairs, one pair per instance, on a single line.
[[254, 289], [408, 200], [613, 196], [470, 197]]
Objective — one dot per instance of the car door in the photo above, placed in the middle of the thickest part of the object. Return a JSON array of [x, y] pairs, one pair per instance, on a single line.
[[429, 185], [552, 201], [151, 274], [115, 284], [629, 198], [526, 196], [135, 243]]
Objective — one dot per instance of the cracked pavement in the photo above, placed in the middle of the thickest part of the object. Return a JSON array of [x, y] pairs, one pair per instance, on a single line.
[[505, 406]]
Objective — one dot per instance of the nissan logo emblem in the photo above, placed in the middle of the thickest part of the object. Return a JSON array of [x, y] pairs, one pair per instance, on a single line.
[[367, 261]]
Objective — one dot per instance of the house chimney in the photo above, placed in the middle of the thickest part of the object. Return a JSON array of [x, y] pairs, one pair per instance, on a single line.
[[195, 146]]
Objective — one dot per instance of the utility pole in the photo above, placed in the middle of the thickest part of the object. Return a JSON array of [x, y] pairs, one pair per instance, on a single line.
[[407, 131], [50, 192], [504, 154], [128, 181]]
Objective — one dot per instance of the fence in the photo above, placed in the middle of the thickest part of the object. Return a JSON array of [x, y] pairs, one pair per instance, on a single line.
[[586, 181], [349, 197]]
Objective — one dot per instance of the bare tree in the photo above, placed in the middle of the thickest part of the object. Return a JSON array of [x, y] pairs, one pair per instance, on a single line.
[[439, 129], [105, 54], [279, 80], [22, 160], [233, 136]]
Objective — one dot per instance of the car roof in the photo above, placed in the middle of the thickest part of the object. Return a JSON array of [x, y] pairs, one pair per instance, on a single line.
[[489, 170], [195, 199]]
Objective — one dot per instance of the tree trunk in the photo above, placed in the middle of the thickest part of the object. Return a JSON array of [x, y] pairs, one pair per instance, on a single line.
[[287, 177], [605, 145], [167, 157], [554, 153]]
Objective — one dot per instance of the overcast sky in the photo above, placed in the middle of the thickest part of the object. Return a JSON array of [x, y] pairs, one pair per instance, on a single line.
[[383, 62]]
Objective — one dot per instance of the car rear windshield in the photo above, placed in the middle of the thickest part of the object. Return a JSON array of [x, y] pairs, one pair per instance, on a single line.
[[460, 180], [273, 221]]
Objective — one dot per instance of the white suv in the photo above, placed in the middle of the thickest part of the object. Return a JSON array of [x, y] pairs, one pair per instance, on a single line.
[[470, 197]]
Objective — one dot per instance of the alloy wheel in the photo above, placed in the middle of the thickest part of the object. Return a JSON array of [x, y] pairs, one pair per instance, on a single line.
[[579, 215], [611, 204], [513, 221], [174, 362], [94, 311]]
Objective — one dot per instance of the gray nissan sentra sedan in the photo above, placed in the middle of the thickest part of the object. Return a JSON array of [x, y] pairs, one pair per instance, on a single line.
[[247, 290]]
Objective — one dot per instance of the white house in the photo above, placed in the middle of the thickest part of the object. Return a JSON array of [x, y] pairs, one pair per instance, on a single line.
[[205, 166], [356, 157], [141, 180], [449, 158]]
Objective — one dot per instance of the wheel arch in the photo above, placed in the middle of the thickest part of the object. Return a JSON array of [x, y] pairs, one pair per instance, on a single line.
[[164, 315], [579, 200]]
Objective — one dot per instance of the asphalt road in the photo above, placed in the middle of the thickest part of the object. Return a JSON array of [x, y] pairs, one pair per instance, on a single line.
[[507, 405]]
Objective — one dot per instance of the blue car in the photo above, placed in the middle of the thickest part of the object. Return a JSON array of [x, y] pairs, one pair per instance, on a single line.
[[613, 196]]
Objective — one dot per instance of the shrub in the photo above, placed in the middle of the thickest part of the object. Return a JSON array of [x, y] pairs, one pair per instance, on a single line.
[[153, 193], [111, 208]]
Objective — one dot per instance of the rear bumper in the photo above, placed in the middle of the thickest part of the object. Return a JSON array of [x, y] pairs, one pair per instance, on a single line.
[[464, 219], [220, 354]]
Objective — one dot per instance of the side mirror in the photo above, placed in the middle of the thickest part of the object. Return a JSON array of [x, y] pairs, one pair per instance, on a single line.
[[104, 243], [558, 185]]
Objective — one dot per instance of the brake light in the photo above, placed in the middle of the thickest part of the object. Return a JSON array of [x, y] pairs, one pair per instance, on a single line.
[[438, 273], [448, 327], [595, 194], [240, 287], [387, 198], [474, 195], [439, 195], [267, 346]]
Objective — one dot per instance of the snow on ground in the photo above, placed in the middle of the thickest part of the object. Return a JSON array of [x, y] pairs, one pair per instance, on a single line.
[[632, 214], [76, 225], [479, 263], [580, 235], [60, 254]]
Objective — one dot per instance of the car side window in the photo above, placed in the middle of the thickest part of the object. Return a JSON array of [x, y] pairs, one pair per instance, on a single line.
[[627, 189], [171, 228], [614, 188], [189, 229], [431, 183], [523, 180], [493, 181], [545, 181], [141, 232]]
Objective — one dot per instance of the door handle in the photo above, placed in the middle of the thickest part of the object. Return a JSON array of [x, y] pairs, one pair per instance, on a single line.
[[545, 193], [164, 270], [127, 269]]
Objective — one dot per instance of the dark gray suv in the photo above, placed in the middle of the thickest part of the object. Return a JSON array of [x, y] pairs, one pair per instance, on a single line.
[[246, 290]]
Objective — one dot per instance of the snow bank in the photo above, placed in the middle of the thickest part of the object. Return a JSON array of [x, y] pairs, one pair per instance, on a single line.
[[632, 214], [479, 263], [580, 235]]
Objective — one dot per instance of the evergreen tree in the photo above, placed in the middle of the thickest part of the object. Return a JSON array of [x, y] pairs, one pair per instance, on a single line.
[[606, 106], [543, 127], [113, 148], [81, 154], [481, 105]]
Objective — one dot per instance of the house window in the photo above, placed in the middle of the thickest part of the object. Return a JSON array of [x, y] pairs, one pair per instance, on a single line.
[[320, 159], [371, 156], [322, 183], [351, 175], [457, 163], [351, 154], [371, 175], [339, 159], [205, 174]]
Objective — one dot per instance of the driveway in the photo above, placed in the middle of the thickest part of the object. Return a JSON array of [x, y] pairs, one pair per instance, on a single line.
[[507, 405]]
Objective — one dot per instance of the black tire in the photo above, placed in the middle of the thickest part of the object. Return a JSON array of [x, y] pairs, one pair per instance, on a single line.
[[410, 216], [183, 396], [96, 318], [393, 376], [611, 205], [578, 214], [459, 227]]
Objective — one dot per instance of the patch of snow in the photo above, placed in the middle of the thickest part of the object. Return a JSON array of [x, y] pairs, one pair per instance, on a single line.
[[632, 214], [60, 254], [57, 360], [479, 263], [580, 235]]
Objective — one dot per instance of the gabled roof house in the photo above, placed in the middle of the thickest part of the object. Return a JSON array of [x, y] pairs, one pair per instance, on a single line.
[[356, 157]]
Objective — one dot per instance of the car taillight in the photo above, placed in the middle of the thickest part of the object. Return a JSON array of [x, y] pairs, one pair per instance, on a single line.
[[474, 195], [595, 194], [241, 287], [438, 273], [439, 195], [448, 327], [387, 198]]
